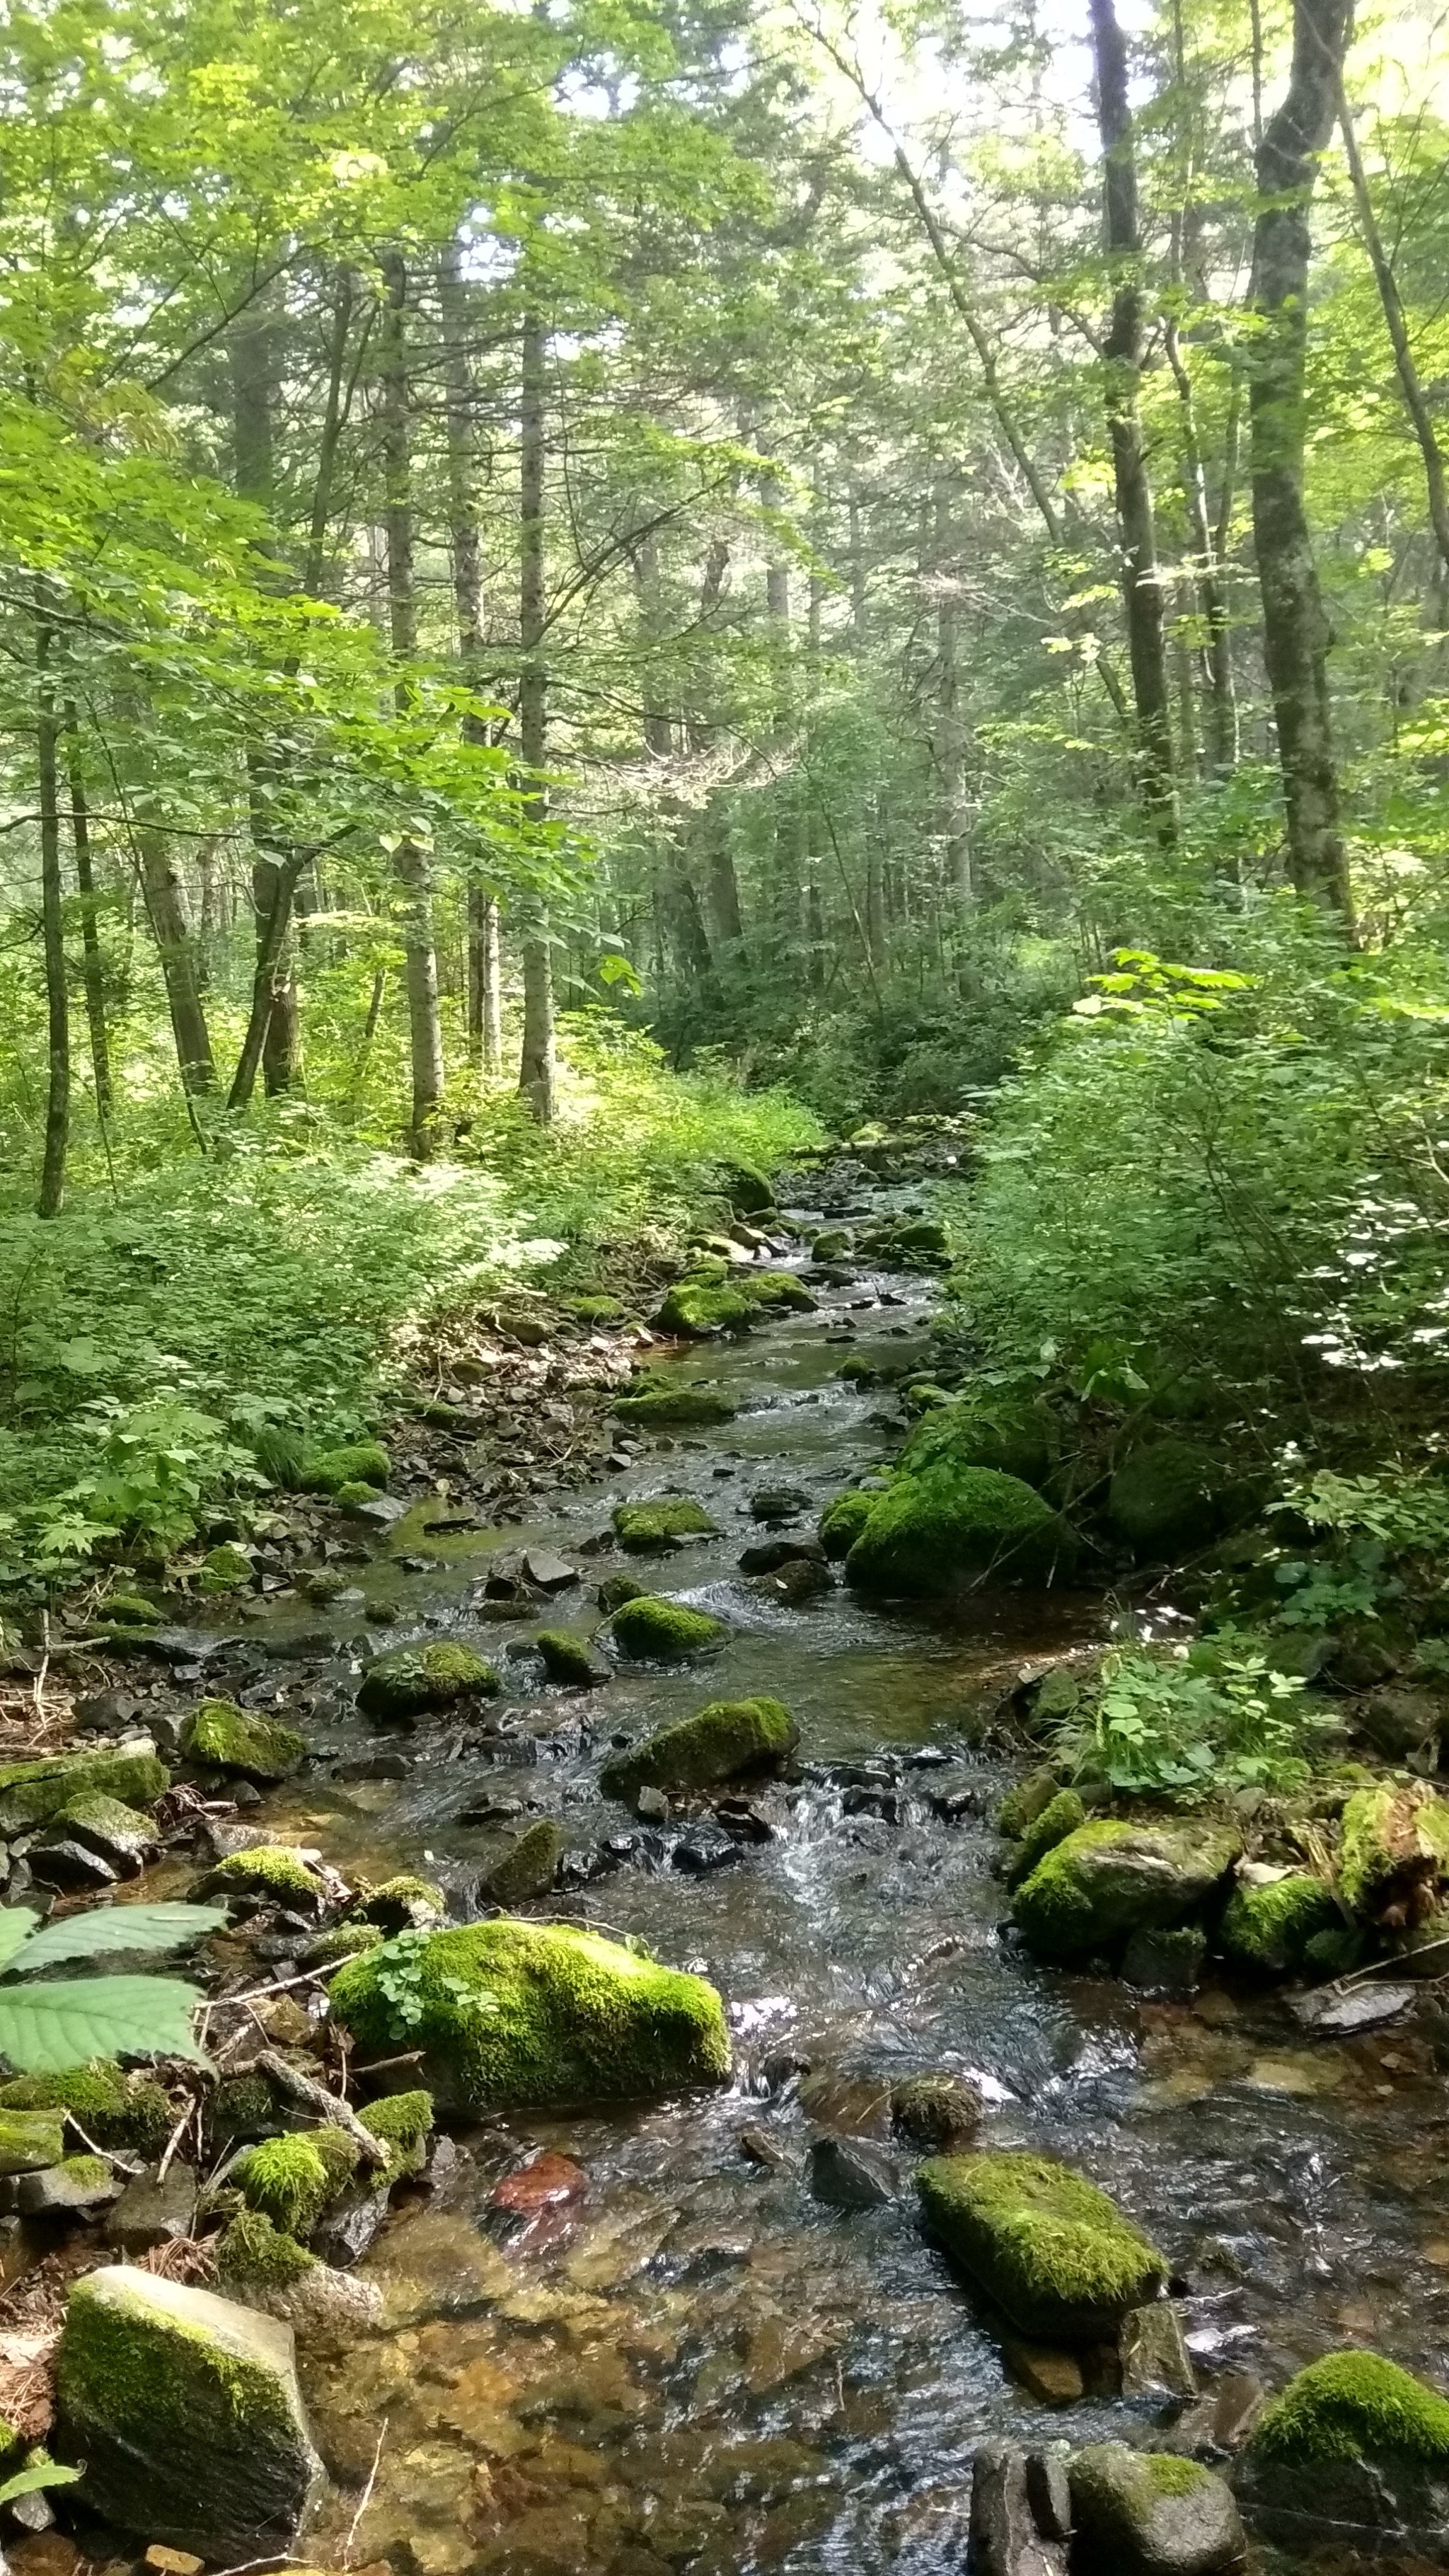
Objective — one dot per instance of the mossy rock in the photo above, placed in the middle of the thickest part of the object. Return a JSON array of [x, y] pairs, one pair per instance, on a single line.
[[832, 1245], [242, 2106], [720, 1742], [513, 2016], [273, 1872], [404, 2123], [651, 1630], [681, 1407], [130, 1610], [185, 2412], [1024, 1802], [227, 1568], [1269, 1926], [530, 1865], [571, 1660], [30, 2140], [236, 1739], [1151, 2513], [1169, 1495], [409, 1681], [778, 1292], [120, 1835], [255, 2257], [616, 1589], [1062, 1815], [596, 1309], [650, 1528], [359, 1462], [749, 1191], [1008, 1432], [405, 1903], [291, 2179], [841, 1522], [344, 1941], [355, 1497], [1109, 1878], [32, 1792], [695, 1309], [928, 1533], [1051, 2249], [115, 2108], [1393, 1851], [1353, 2447]]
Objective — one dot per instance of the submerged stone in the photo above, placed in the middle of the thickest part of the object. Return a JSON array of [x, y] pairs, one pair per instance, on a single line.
[[185, 2411], [516, 2015], [651, 1630], [674, 1406], [236, 1739], [1353, 2450], [410, 1680], [722, 1741], [1051, 2249], [928, 1532], [1107, 1878]]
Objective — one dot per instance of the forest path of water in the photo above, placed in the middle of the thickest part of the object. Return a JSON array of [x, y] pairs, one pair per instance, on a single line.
[[697, 2365]]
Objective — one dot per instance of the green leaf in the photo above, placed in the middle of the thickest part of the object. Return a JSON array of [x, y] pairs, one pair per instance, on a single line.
[[44, 2473], [44, 2029], [118, 1927], [16, 1921]]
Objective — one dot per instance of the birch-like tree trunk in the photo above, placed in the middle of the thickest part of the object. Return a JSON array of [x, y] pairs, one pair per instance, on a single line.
[[410, 860], [536, 1068]]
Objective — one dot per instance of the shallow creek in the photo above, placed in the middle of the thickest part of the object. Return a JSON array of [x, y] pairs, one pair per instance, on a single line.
[[697, 2365]]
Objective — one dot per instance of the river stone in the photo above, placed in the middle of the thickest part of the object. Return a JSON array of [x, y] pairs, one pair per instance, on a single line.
[[1051, 2249], [122, 1837], [1152, 2513], [1155, 2360], [409, 1681], [150, 2212], [184, 2410], [1015, 2514], [769, 1555], [1108, 1878], [936, 2111], [720, 1742], [220, 1735], [1353, 2450], [848, 2174], [530, 1867], [30, 1792]]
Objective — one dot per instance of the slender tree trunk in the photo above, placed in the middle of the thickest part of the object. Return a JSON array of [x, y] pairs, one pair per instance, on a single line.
[[484, 994], [92, 965], [536, 1069], [1296, 632], [485, 982], [52, 901], [165, 898], [681, 901], [252, 350], [953, 822], [1410, 383], [1122, 357], [410, 860]]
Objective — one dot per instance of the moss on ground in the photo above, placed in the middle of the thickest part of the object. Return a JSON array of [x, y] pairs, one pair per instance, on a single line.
[[235, 1739], [1270, 1927], [841, 1522], [644, 1527], [410, 1680], [1050, 2248], [512, 2015], [361, 1462], [928, 1532], [1350, 2406], [718, 1743], [652, 1630], [292, 2179]]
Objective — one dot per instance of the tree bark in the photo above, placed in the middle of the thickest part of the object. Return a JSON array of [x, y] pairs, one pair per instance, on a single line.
[[410, 860], [536, 1069], [1410, 384], [1122, 358], [252, 352], [52, 902], [92, 964], [485, 1045], [1296, 632], [165, 898], [953, 821]]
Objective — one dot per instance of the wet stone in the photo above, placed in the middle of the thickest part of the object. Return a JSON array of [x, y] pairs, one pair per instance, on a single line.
[[1155, 2360], [848, 2174], [771, 1555], [151, 2212], [761, 2149], [1005, 2538], [1052, 2376], [705, 1848]]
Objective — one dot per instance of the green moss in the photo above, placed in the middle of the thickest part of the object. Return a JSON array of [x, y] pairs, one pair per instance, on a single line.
[[226, 1569], [749, 1190], [530, 1866], [406, 1903], [1008, 1432], [344, 1941], [86, 2174], [235, 1739], [616, 1589], [131, 1609], [91, 1817], [1108, 1878], [511, 2015], [681, 1405], [354, 1496], [1393, 1839], [30, 2140], [253, 2254], [695, 1308], [32, 1792], [832, 1245], [569, 1659], [404, 2123], [1025, 1802], [1047, 2245], [665, 1632], [645, 1527], [928, 1532], [1167, 2475], [842, 1521], [1169, 1495], [362, 1462], [1350, 2406], [777, 1292], [12, 2445], [728, 1737], [243, 2106], [292, 2179], [1271, 1927], [272, 1870], [596, 1310], [114, 2108], [410, 1680], [1064, 1814]]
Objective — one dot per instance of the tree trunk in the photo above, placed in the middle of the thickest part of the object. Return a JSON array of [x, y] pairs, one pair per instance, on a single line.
[[536, 1061], [1122, 357], [484, 998], [165, 898], [1410, 384], [1296, 632], [92, 965], [410, 860], [953, 820], [52, 901]]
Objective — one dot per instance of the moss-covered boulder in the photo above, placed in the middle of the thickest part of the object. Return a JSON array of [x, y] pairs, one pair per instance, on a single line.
[[651, 1528], [32, 1792], [512, 2016], [237, 1739], [1168, 1496], [530, 1866], [654, 1631], [1393, 1854], [1008, 1431], [1108, 1878], [404, 2123], [841, 1522], [272, 1873], [292, 2179], [832, 1245], [1062, 1815], [1268, 1923], [1353, 2450], [120, 1836], [114, 2107], [616, 1589], [1025, 1800], [570, 1660], [360, 1462], [670, 1408], [185, 2413], [699, 1308], [409, 1681], [949, 1525], [1051, 2249], [749, 1191], [257, 2259], [227, 1568], [30, 2140], [404, 1903], [1151, 2513], [730, 1737]]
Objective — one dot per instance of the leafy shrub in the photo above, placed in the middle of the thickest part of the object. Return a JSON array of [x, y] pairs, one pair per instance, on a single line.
[[1159, 1725]]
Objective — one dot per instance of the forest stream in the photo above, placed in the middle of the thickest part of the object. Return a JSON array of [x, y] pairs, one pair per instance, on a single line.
[[686, 2358]]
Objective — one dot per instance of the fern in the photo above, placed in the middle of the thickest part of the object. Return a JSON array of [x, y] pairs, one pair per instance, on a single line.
[[46, 2028]]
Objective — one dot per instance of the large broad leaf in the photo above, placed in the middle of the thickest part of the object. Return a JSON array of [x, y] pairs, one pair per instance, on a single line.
[[116, 1927], [44, 2029], [43, 2473], [15, 1922]]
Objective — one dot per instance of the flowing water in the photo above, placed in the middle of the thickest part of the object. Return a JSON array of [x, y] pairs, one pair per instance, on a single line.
[[696, 2365]]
